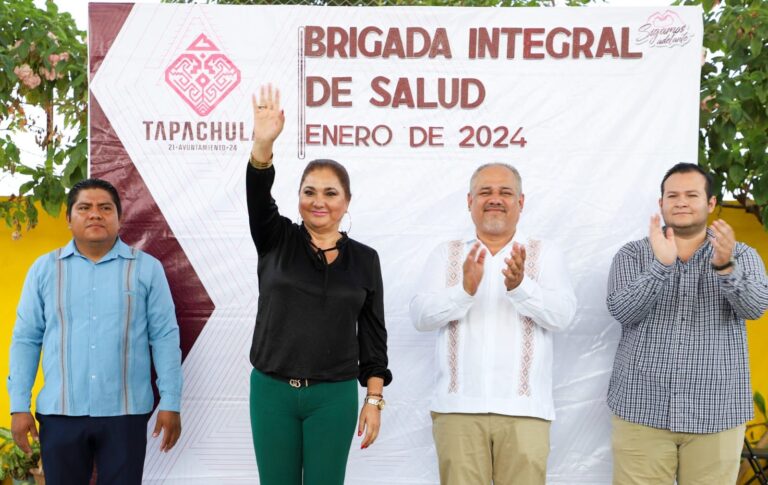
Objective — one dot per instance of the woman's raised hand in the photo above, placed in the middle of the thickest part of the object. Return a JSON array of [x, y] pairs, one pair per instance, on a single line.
[[268, 121]]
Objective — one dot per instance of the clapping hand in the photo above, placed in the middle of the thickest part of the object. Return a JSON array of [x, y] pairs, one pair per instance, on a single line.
[[515, 270], [662, 242], [473, 268], [723, 242]]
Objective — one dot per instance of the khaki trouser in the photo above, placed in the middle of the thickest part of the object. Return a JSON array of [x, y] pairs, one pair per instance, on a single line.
[[473, 449], [649, 456]]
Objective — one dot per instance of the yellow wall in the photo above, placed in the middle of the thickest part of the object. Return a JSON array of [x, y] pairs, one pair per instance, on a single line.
[[15, 259], [748, 230], [17, 256]]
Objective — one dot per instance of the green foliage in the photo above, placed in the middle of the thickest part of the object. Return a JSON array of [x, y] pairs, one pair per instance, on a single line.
[[733, 135], [14, 462], [756, 431], [43, 65]]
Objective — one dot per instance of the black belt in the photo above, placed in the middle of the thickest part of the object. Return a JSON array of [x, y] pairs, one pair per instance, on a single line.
[[294, 382]]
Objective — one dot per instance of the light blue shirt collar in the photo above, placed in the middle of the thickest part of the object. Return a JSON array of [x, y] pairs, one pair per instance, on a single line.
[[119, 249]]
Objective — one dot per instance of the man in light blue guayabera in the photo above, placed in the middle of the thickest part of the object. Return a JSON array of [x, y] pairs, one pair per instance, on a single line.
[[95, 308]]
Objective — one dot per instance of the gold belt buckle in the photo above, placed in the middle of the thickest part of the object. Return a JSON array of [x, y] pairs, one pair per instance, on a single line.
[[295, 383]]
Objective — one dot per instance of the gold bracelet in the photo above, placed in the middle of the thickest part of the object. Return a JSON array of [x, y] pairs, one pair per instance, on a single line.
[[260, 165]]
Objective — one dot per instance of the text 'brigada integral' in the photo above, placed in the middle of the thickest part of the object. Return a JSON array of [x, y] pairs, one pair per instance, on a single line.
[[483, 43]]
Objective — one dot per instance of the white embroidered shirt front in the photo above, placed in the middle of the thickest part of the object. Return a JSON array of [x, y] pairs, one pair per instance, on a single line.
[[494, 349]]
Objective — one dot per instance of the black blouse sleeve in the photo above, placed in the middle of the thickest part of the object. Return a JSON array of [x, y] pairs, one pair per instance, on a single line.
[[371, 333], [267, 225]]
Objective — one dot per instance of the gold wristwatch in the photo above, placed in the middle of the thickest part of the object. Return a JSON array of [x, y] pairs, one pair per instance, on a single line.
[[378, 402]]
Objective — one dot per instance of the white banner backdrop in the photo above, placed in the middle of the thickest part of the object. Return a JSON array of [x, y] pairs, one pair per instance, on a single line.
[[605, 100]]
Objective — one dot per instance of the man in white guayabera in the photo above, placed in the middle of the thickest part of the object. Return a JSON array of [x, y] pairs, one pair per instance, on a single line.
[[496, 297]]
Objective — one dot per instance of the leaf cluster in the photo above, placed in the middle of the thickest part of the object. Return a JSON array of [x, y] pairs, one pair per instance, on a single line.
[[756, 430], [14, 462], [43, 69], [733, 128]]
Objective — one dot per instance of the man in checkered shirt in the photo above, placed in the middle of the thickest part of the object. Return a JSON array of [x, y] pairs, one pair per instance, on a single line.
[[680, 388]]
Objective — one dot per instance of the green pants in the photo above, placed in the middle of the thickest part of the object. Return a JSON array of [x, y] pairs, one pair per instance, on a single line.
[[302, 432]]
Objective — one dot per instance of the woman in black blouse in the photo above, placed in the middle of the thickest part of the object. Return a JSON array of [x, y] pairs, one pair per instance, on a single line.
[[320, 322]]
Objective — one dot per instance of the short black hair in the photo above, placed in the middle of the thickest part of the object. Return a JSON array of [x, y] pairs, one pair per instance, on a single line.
[[93, 184], [688, 168]]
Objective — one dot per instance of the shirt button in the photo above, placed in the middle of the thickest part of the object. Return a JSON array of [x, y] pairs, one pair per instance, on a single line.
[[94, 318], [93, 346], [94, 288], [93, 377]]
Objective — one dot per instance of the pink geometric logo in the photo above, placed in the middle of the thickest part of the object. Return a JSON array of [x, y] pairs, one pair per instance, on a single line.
[[202, 75]]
